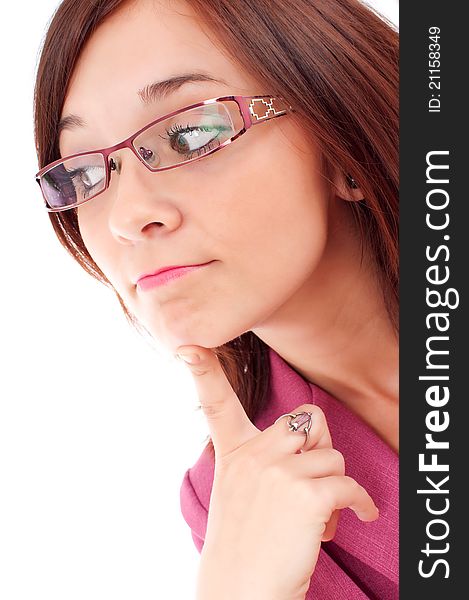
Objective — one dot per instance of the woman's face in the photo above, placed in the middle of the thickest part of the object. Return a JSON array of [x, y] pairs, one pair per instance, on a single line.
[[258, 208]]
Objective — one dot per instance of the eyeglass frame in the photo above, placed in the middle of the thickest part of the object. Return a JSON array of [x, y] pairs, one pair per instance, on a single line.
[[249, 113]]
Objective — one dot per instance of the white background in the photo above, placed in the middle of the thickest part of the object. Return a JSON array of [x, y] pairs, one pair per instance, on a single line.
[[89, 472]]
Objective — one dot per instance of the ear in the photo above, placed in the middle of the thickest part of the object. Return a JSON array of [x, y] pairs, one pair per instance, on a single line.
[[346, 187]]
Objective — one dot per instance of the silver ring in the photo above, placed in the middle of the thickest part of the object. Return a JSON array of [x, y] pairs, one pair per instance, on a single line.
[[297, 420]]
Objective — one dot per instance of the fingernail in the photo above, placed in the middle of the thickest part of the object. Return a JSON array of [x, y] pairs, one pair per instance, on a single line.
[[190, 358]]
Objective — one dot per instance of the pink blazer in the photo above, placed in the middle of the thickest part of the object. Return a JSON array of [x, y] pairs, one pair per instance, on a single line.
[[363, 558]]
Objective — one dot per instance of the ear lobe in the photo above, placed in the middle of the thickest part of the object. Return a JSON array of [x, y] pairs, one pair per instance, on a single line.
[[347, 188]]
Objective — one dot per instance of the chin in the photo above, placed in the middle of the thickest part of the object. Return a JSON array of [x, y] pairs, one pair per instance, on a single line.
[[205, 341], [184, 324], [208, 337]]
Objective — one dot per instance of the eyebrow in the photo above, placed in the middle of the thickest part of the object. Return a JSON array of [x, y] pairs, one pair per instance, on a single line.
[[162, 89], [151, 93], [70, 122]]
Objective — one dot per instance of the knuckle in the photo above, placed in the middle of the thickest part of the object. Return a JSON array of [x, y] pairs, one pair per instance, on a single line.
[[200, 369], [305, 493], [315, 498], [318, 413], [213, 409], [337, 459], [353, 483], [326, 496]]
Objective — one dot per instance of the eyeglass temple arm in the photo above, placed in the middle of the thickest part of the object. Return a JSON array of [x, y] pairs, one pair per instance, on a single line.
[[262, 108]]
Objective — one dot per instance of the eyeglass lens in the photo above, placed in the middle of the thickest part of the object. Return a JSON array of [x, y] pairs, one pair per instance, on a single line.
[[176, 140]]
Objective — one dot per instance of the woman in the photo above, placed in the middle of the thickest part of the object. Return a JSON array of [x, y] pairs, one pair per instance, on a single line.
[[288, 316]]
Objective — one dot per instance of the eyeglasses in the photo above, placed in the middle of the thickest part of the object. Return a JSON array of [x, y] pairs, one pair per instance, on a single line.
[[179, 138]]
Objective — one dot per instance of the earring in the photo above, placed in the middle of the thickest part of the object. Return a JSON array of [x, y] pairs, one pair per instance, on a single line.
[[351, 182]]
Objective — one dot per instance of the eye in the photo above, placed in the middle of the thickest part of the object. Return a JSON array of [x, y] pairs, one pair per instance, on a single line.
[[184, 136], [191, 138], [93, 176], [89, 177]]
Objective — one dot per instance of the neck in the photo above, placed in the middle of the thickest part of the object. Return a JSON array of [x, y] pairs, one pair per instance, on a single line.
[[336, 333]]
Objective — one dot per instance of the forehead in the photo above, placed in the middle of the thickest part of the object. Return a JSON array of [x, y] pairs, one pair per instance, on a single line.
[[144, 42]]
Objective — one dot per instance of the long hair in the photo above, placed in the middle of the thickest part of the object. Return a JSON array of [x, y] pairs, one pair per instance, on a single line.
[[334, 61]]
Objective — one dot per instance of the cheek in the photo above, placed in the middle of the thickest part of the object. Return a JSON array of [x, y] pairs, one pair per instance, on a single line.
[[95, 237], [272, 219]]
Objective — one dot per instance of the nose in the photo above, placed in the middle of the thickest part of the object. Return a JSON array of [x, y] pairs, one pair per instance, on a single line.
[[140, 204]]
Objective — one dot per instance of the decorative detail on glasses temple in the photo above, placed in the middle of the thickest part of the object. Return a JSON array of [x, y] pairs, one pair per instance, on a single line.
[[267, 107]]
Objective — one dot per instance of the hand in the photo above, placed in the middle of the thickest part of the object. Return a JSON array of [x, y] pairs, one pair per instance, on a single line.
[[272, 501]]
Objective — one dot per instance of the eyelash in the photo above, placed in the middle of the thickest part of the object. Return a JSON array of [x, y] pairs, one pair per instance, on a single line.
[[177, 129], [79, 173]]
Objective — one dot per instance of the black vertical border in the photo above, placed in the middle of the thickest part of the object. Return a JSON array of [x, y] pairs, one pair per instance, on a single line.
[[420, 133]]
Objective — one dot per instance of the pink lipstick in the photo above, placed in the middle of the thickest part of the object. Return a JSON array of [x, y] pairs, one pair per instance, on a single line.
[[165, 276]]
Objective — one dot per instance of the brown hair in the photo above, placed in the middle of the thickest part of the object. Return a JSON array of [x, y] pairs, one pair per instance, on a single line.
[[336, 64]]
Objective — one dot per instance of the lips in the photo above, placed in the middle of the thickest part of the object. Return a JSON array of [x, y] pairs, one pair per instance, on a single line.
[[170, 268], [166, 275]]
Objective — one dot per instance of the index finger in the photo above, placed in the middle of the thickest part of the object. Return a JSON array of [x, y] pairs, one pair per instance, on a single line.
[[229, 425]]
